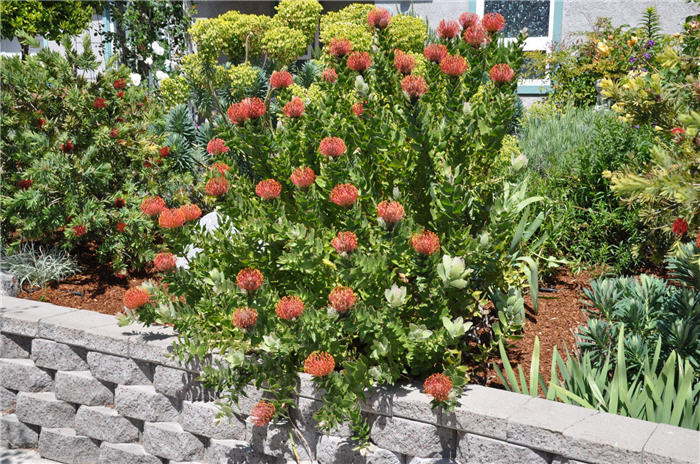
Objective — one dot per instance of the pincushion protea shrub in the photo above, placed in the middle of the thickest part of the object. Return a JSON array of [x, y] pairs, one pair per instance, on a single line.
[[372, 247]]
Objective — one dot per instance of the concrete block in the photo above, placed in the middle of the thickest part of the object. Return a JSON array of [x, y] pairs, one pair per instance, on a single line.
[[180, 384], [308, 388], [154, 344], [18, 434], [410, 402], [105, 424], [412, 438], [169, 440], [563, 460], [8, 400], [414, 460], [247, 399], [15, 346], [9, 285], [672, 445], [332, 450], [22, 456], [118, 369], [240, 452], [379, 401], [23, 375], [86, 329], [21, 316], [484, 450], [126, 453], [303, 415], [273, 440], [144, 403], [44, 409], [64, 445], [200, 418], [58, 356], [82, 388]]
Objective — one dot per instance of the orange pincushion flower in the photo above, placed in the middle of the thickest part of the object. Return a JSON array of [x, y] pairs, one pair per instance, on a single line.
[[342, 299], [319, 364], [493, 22], [467, 19], [262, 413], [268, 189], [438, 386], [358, 109], [223, 168], [404, 63], [136, 297], [359, 61], [448, 29], [476, 35], [303, 177], [249, 108], [119, 84], [289, 307], [153, 206], [295, 108], [329, 75], [425, 243], [414, 86], [25, 184], [391, 212], [244, 318], [454, 65], [344, 195], [237, 113], [281, 80], [332, 147], [435, 52], [216, 147], [79, 230], [345, 242], [501, 73], [217, 186], [255, 106], [680, 227], [339, 46], [191, 212], [171, 218], [249, 279], [164, 262], [379, 17]]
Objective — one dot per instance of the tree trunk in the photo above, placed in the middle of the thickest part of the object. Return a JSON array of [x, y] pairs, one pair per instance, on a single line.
[[25, 51]]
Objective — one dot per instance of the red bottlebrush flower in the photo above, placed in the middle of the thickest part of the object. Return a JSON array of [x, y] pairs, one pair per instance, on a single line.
[[99, 103], [425, 243], [344, 195], [67, 146], [171, 218], [493, 22], [332, 147], [79, 230], [249, 279], [404, 63], [191, 212], [476, 35], [223, 168], [680, 227], [414, 86], [164, 151], [153, 206], [164, 262], [359, 61], [448, 29], [345, 242], [289, 307], [217, 186], [358, 109], [342, 299], [467, 19], [40, 123], [256, 107], [391, 212], [677, 131], [435, 52], [329, 75], [268, 189], [339, 46], [295, 108], [119, 202], [244, 318], [119, 84], [216, 147], [25, 184], [136, 297], [501, 73], [438, 386], [303, 177], [120, 94], [114, 133], [454, 65], [119, 119], [121, 226], [319, 364], [262, 413], [281, 80], [379, 17]]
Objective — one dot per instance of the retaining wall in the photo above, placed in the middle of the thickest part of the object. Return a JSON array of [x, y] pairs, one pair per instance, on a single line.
[[83, 390]]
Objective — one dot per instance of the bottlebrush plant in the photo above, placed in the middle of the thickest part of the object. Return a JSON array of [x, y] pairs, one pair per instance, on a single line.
[[364, 244]]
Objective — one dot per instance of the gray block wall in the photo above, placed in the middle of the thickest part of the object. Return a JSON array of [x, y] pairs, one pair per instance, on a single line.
[[82, 390]]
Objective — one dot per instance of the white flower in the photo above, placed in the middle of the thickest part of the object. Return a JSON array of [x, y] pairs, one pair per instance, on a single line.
[[519, 162], [148, 61], [395, 296], [168, 63], [135, 78], [160, 75], [157, 49]]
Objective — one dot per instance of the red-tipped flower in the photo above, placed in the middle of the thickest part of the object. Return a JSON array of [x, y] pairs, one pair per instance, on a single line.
[[249, 108], [379, 17], [339, 46], [391, 212], [164, 151], [414, 86], [319, 364], [114, 133], [359, 61], [677, 131], [191, 212], [404, 63], [262, 413], [329, 75], [501, 73], [467, 19], [164, 262], [680, 227], [425, 243], [79, 230], [136, 297], [332, 147], [119, 202], [268, 189], [345, 242], [244, 318], [358, 109], [216, 147], [476, 35], [448, 29], [454, 65], [25, 184], [221, 168], [99, 103], [217, 186], [303, 177], [438, 386], [342, 299], [295, 108], [435, 52], [153, 206], [493, 22], [281, 79], [249, 279], [344, 195], [121, 226], [171, 218], [119, 84], [67, 146], [120, 94], [40, 123], [289, 307]]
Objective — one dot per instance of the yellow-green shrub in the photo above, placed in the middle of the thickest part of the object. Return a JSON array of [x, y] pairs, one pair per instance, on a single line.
[[284, 44], [174, 90], [408, 33], [351, 23], [302, 15]]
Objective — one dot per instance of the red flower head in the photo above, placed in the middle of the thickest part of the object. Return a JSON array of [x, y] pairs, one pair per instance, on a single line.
[[119, 84], [438, 386], [153, 206], [237, 113], [119, 119], [262, 413], [677, 131], [342, 299], [405, 63], [114, 133], [165, 151], [379, 18], [99, 103], [67, 146], [303, 177], [391, 212], [191, 212], [414, 86], [345, 242], [40, 123], [119, 202], [216, 147], [339, 46], [171, 218], [344, 195], [121, 142], [493, 22], [435, 52], [256, 107], [332, 147], [121, 226], [359, 61], [79, 230], [136, 297], [425, 243], [217, 186], [329, 75], [25, 184], [476, 35], [268, 189], [453, 65], [358, 109], [120, 94], [164, 262], [448, 29], [289, 307], [222, 168], [501, 73], [467, 19], [319, 364], [249, 108], [249, 279], [295, 108], [244, 318], [680, 227], [281, 80]]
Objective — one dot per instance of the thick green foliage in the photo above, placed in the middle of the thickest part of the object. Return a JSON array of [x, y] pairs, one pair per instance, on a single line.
[[49, 19]]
